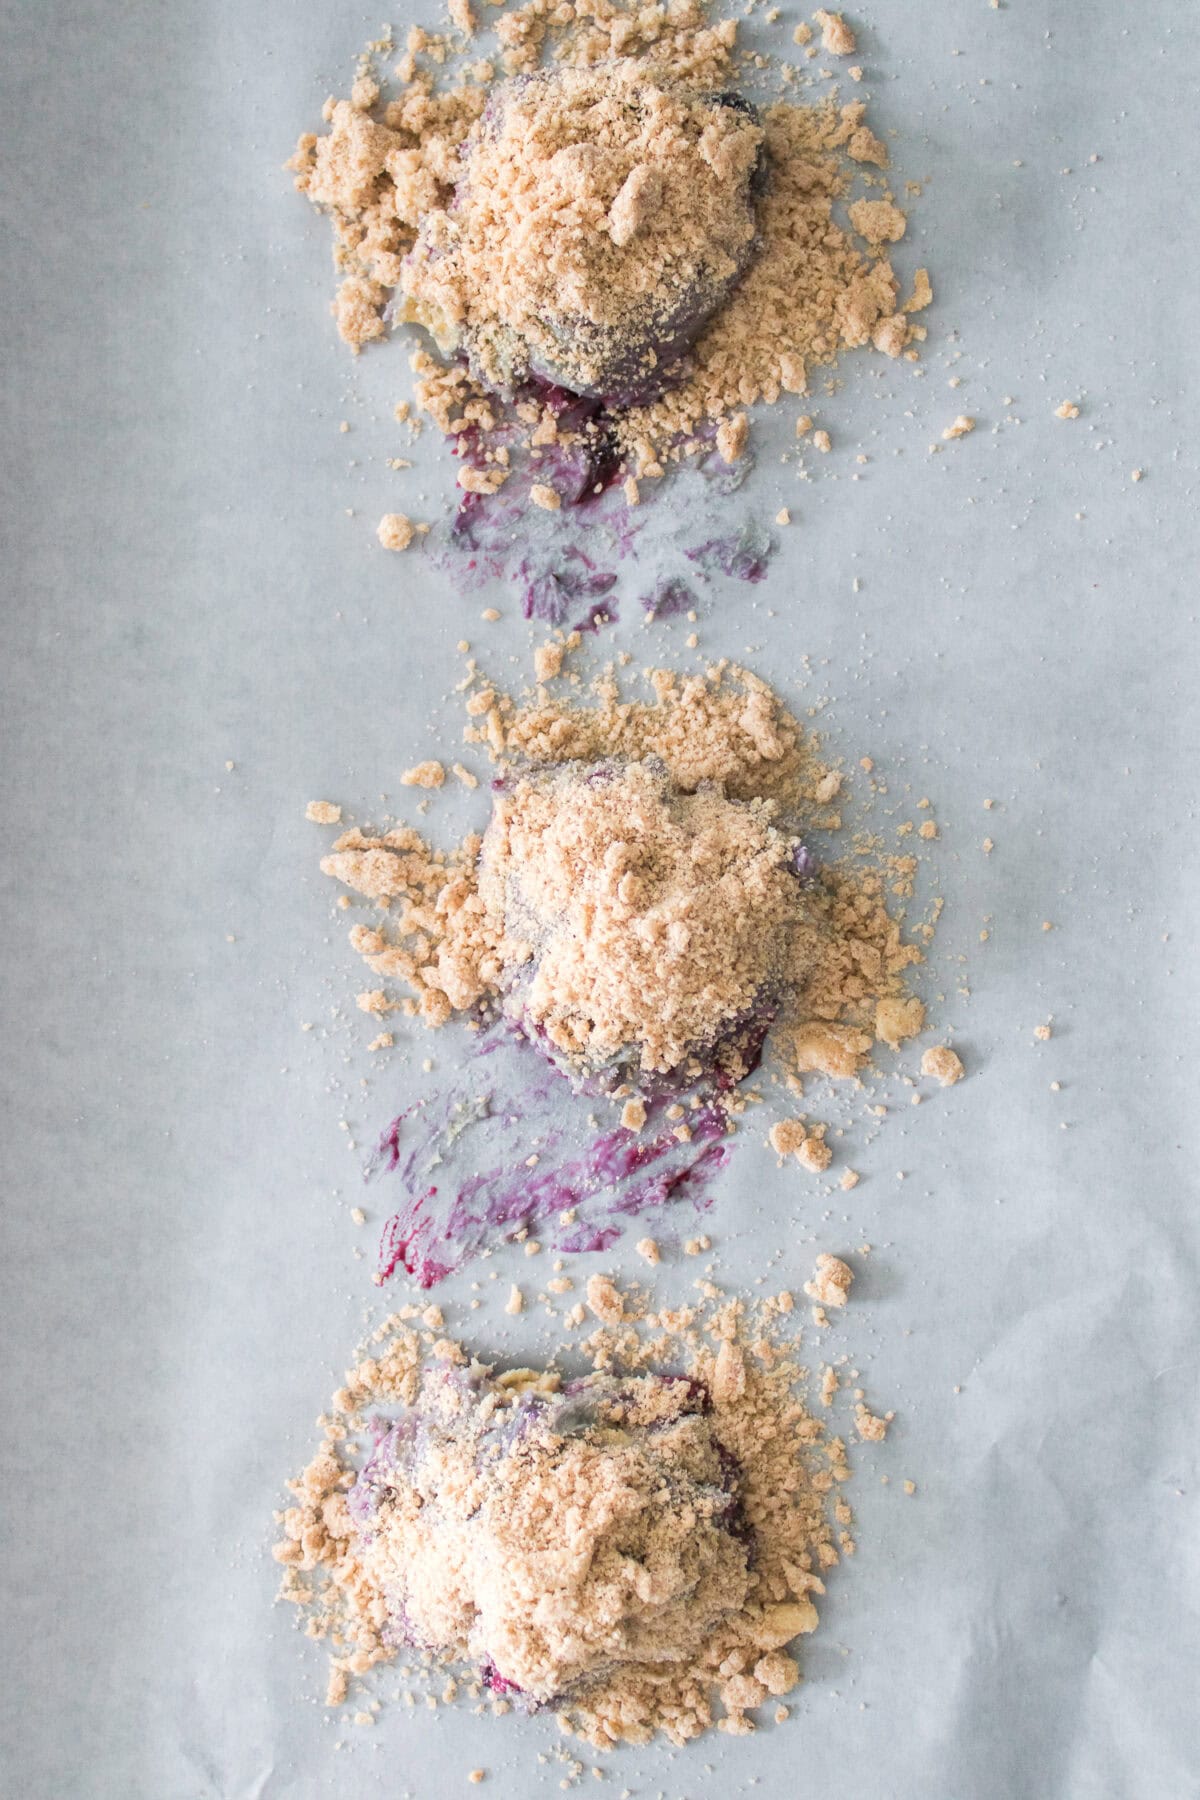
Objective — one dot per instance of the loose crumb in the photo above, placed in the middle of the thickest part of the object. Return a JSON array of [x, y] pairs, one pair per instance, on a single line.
[[595, 158], [604, 1299], [814, 1154], [552, 1562], [732, 433], [897, 1019], [323, 812], [481, 481], [922, 294], [836, 35], [1067, 409], [395, 532], [879, 221], [787, 1136], [424, 775], [961, 426]]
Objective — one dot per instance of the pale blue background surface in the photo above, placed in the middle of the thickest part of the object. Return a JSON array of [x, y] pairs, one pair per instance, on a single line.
[[184, 586]]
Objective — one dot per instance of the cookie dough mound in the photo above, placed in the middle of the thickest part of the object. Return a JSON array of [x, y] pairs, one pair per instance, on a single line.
[[600, 220], [554, 1538], [640, 924]]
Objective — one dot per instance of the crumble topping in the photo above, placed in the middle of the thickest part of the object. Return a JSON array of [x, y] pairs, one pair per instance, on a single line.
[[636, 1549], [588, 204], [643, 894], [649, 917]]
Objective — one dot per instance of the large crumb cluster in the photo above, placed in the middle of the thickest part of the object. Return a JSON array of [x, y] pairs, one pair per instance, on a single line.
[[642, 892], [582, 221], [637, 1550]]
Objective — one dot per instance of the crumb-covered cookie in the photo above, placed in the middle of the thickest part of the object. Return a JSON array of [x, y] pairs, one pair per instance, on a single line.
[[599, 220], [637, 1548]]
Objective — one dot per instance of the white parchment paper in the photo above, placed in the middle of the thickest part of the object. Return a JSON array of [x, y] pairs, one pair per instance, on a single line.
[[192, 581]]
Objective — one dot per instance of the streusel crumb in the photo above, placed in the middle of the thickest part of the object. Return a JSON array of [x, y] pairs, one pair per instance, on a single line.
[[642, 894], [424, 775], [395, 532], [831, 1280], [943, 1064]]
